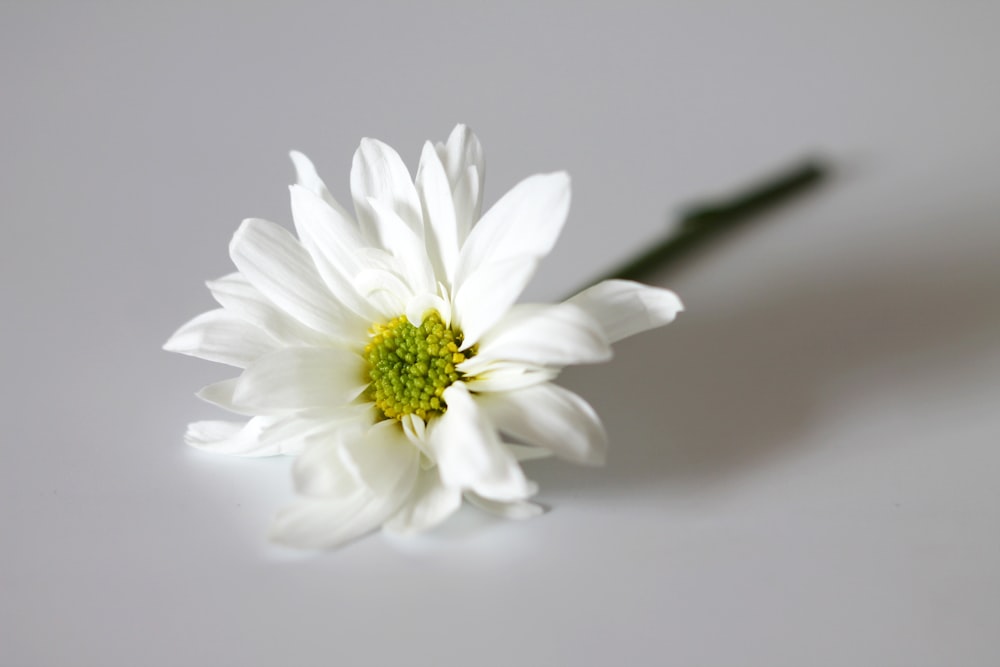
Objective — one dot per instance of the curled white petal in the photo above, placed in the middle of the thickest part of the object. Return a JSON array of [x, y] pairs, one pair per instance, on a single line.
[[221, 394], [550, 417], [430, 503], [234, 438], [624, 308]]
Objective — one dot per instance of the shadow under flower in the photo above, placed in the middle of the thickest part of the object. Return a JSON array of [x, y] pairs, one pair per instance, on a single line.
[[718, 394]]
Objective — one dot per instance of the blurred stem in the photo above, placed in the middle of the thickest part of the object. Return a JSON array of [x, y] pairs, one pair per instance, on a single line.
[[701, 223]]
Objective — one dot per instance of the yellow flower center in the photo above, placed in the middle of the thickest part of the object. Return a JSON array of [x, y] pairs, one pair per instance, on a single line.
[[410, 367]]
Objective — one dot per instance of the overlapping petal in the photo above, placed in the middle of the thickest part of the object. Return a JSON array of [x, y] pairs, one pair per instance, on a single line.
[[300, 378], [220, 335], [463, 162], [441, 226], [235, 293], [276, 264], [430, 503], [541, 335], [378, 174], [470, 454]]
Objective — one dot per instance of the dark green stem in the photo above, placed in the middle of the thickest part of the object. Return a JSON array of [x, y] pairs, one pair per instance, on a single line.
[[701, 223]]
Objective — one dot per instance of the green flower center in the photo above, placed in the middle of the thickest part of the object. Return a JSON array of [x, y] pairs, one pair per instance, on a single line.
[[410, 367]]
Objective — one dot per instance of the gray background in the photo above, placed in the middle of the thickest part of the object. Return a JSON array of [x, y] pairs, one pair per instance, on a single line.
[[804, 468]]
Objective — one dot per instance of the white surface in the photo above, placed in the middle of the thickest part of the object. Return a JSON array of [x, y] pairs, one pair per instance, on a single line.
[[804, 469]]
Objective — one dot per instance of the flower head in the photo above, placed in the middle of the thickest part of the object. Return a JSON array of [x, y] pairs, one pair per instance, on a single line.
[[388, 353]]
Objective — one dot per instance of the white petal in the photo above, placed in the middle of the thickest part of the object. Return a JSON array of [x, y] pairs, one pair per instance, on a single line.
[[469, 453], [557, 335], [440, 227], [301, 431], [322, 469], [504, 376], [387, 292], [525, 223], [379, 173], [386, 463], [484, 297], [300, 379], [307, 176], [319, 523], [462, 158], [468, 198], [461, 151], [221, 336], [383, 458], [624, 308], [319, 472], [422, 304], [233, 438], [334, 243], [509, 510], [406, 246], [239, 297], [430, 503], [551, 417], [276, 264], [221, 394]]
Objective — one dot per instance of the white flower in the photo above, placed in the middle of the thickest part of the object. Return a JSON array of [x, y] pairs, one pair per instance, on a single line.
[[388, 352]]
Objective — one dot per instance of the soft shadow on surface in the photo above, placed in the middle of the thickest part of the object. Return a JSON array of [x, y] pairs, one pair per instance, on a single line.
[[719, 393]]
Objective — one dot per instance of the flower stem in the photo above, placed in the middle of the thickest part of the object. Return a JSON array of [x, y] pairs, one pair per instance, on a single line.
[[702, 222]]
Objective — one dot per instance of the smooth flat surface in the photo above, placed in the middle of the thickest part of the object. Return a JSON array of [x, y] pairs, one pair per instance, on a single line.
[[804, 468]]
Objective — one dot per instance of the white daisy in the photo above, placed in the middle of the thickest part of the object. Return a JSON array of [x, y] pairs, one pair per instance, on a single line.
[[388, 352]]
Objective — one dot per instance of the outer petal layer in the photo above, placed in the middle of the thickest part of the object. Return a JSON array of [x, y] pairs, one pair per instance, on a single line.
[[558, 335], [366, 487], [549, 416], [524, 222], [624, 308], [430, 503], [235, 438], [469, 453], [276, 264], [221, 336]]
